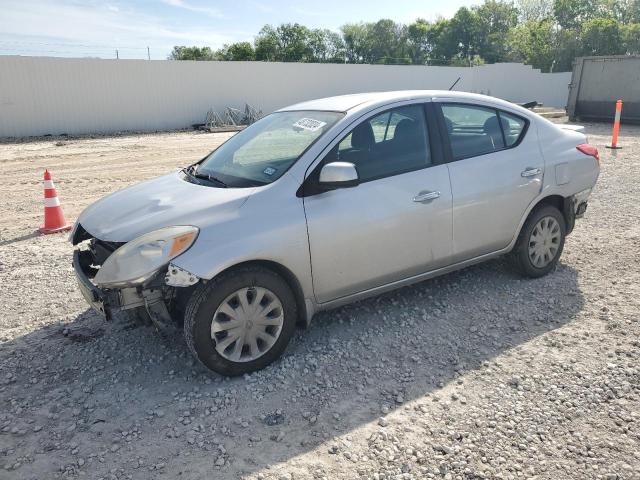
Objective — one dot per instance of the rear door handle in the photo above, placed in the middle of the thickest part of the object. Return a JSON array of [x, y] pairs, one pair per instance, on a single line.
[[531, 172], [426, 196]]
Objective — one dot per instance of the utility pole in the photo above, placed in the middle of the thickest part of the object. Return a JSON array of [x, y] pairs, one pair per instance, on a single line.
[[148, 54], [117, 56]]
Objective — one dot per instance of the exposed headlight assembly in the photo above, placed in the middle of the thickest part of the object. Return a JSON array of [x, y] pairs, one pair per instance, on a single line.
[[139, 259]]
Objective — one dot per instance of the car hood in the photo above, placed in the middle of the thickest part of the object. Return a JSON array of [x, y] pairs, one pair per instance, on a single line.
[[162, 202]]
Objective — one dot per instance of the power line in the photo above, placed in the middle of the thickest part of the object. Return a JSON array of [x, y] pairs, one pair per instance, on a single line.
[[95, 45], [102, 52]]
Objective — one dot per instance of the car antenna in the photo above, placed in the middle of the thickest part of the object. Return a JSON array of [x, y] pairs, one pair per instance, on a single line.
[[454, 83]]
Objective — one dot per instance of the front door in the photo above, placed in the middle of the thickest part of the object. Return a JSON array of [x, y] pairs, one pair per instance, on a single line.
[[396, 223]]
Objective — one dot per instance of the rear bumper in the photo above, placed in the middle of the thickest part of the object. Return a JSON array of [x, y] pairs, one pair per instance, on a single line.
[[580, 202]]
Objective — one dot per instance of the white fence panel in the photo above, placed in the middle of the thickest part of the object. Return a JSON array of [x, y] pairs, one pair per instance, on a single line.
[[42, 95]]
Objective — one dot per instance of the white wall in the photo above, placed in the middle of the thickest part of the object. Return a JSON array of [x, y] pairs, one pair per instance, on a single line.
[[41, 95]]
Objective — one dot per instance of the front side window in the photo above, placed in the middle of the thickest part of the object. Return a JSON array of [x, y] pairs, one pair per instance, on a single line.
[[261, 153], [474, 130], [390, 143]]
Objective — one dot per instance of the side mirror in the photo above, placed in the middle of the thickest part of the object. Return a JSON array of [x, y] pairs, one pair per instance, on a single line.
[[339, 175]]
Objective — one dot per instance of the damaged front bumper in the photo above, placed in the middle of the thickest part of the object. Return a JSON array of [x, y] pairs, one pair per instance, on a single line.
[[102, 301], [108, 301]]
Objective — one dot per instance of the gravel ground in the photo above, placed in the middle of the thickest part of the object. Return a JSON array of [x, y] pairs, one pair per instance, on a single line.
[[477, 374]]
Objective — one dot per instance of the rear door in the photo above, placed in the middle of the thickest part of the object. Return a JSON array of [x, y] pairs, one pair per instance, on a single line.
[[396, 223], [496, 171]]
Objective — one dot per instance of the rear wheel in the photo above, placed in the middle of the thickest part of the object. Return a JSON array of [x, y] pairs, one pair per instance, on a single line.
[[541, 242], [241, 321]]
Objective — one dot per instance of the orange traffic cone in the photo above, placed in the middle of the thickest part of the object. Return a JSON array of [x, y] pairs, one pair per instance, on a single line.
[[54, 220]]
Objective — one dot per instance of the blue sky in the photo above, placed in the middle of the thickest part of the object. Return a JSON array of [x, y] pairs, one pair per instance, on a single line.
[[95, 28]]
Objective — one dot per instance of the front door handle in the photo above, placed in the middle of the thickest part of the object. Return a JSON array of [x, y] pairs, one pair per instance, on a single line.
[[531, 172], [426, 196]]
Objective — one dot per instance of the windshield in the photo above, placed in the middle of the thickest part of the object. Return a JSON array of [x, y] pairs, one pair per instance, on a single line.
[[261, 153]]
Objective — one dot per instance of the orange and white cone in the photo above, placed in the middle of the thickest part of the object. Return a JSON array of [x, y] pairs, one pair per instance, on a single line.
[[54, 220]]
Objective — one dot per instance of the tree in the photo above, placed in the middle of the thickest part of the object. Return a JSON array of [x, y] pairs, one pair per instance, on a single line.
[[601, 36], [624, 11], [494, 21], [241, 51], [191, 53], [567, 45], [547, 34], [266, 44], [326, 46], [418, 45], [386, 42], [631, 38], [532, 43], [572, 13], [381, 42], [534, 10], [444, 46], [293, 42], [355, 36], [288, 42], [464, 29]]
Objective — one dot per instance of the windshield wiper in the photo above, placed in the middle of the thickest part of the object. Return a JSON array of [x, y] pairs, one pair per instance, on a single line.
[[203, 176], [211, 178]]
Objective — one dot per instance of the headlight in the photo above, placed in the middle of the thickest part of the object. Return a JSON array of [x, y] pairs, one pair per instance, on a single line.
[[139, 259]]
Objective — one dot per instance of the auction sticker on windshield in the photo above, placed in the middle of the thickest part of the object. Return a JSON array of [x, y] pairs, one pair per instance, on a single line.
[[309, 124]]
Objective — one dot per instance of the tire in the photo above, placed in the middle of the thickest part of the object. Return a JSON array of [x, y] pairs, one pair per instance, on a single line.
[[522, 256], [221, 293]]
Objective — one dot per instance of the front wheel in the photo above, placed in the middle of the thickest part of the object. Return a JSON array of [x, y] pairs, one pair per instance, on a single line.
[[240, 321], [541, 242]]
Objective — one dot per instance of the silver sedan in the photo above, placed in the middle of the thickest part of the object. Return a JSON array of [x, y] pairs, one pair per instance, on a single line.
[[327, 202]]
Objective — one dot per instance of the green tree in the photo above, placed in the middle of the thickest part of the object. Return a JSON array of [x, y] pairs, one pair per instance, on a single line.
[[386, 42], [355, 36], [288, 42], [547, 34], [241, 51], [624, 11], [630, 34], [465, 32], [191, 53], [418, 44], [534, 10], [494, 21], [601, 36], [532, 43], [572, 13], [266, 44], [444, 45], [293, 42], [326, 46], [567, 45]]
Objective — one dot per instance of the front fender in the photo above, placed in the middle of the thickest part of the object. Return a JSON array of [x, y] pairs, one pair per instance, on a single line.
[[265, 230]]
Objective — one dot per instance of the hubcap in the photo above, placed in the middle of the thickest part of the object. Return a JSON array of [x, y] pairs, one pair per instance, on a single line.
[[544, 242], [247, 324]]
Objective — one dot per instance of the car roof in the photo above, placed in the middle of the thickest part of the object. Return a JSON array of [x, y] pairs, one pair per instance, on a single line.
[[344, 103]]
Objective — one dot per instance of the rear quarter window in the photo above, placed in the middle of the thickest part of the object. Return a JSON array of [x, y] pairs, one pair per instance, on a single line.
[[513, 127]]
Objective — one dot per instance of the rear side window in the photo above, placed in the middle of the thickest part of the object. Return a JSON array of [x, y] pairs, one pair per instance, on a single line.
[[474, 130]]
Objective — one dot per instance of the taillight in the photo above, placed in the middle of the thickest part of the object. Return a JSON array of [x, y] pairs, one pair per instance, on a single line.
[[589, 150]]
